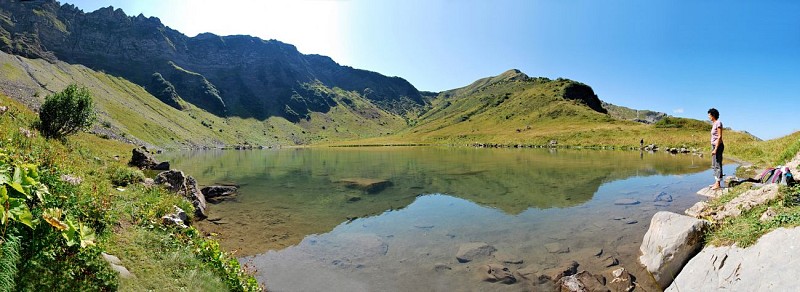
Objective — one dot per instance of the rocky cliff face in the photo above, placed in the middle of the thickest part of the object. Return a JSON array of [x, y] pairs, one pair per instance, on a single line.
[[226, 75]]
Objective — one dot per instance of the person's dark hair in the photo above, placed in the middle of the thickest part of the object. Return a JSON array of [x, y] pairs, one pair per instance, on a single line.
[[714, 113]]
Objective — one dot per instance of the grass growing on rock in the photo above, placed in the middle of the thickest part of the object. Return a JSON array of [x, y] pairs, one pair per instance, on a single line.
[[745, 229]]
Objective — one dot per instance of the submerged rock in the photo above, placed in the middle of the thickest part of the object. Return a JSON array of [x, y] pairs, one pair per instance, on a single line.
[[369, 185], [218, 194], [626, 201], [507, 258], [663, 197], [474, 250], [610, 261], [496, 274], [555, 247], [441, 267], [565, 269], [582, 282]]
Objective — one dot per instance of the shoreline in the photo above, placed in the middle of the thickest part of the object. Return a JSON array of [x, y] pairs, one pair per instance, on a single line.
[[697, 267]]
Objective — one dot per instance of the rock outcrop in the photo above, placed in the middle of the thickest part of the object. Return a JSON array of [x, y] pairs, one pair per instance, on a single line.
[[177, 218], [771, 264], [746, 201], [176, 181], [669, 243], [142, 159]]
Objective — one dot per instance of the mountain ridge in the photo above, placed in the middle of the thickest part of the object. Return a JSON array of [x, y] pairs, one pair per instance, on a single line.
[[252, 77]]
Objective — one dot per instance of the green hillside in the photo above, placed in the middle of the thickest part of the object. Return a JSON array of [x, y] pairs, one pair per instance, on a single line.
[[514, 109], [128, 112], [629, 114]]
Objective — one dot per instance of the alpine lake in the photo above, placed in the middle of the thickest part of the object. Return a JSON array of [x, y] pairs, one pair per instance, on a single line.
[[394, 218]]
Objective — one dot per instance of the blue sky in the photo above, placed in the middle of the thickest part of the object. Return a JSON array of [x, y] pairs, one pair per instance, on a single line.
[[678, 57]]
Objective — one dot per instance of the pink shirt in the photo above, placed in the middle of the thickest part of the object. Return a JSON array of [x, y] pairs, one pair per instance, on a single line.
[[715, 132]]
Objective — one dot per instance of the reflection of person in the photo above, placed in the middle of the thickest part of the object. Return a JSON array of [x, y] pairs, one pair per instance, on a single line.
[[717, 146]]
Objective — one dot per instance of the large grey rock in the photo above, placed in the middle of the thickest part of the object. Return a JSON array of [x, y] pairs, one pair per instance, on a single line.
[[474, 250], [669, 243], [772, 264], [176, 181]]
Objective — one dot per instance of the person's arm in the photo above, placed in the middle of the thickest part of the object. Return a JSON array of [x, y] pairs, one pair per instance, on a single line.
[[719, 130]]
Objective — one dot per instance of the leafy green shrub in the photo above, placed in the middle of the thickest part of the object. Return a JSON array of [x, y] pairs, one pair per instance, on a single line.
[[228, 267], [66, 112], [124, 176]]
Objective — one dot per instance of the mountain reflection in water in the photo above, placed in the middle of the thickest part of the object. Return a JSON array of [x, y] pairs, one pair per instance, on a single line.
[[290, 193]]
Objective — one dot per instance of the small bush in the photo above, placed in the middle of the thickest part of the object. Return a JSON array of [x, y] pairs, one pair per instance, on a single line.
[[123, 176], [66, 112]]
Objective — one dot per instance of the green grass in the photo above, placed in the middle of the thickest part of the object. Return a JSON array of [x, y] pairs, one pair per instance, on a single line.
[[745, 229], [160, 263], [126, 221]]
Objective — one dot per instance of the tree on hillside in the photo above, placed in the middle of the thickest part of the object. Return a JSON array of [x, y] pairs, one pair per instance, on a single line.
[[66, 112]]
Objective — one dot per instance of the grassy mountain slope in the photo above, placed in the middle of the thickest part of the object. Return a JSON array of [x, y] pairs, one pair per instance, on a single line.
[[129, 112], [513, 108], [629, 114]]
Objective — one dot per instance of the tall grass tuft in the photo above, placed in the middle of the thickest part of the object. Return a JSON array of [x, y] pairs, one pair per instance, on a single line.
[[8, 263]]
